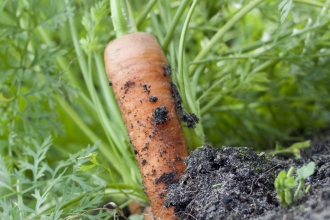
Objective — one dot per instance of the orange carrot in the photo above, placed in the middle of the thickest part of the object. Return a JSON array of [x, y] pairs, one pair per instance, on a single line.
[[139, 75]]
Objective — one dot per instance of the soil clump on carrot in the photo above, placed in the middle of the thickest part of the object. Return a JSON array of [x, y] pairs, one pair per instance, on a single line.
[[237, 183], [160, 114], [153, 99], [190, 118], [167, 70], [167, 178]]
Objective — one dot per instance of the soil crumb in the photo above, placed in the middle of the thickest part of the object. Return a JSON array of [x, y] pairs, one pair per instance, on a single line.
[[160, 114], [190, 118], [146, 88], [167, 178], [127, 85], [167, 70], [237, 183], [153, 99]]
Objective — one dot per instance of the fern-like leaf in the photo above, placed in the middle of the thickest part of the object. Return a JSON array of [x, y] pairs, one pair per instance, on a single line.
[[284, 7], [38, 156], [5, 181]]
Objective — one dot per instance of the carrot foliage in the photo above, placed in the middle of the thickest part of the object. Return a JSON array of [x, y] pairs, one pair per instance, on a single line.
[[255, 73]]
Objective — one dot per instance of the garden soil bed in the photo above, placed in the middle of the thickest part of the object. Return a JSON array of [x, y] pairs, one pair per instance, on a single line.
[[237, 183]]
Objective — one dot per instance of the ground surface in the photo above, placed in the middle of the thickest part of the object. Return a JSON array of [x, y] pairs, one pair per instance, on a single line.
[[237, 183]]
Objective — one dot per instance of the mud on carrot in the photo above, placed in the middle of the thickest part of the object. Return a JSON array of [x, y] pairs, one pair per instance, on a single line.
[[140, 78]]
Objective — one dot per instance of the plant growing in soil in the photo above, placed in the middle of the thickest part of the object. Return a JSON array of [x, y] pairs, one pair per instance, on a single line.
[[285, 184]]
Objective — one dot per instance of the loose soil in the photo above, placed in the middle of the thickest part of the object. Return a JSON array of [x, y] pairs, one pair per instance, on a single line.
[[237, 183]]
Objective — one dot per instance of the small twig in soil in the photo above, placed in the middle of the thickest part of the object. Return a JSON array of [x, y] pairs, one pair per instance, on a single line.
[[187, 214], [261, 176]]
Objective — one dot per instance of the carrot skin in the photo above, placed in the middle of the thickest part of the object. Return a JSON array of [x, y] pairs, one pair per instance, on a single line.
[[139, 73]]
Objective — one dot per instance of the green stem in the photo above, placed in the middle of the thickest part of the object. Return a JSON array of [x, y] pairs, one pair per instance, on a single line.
[[181, 52], [109, 98], [194, 138], [115, 117], [238, 15], [258, 44], [130, 19], [177, 16], [264, 66], [290, 172], [118, 19], [118, 150], [85, 129], [210, 104], [19, 198], [299, 188], [313, 3], [144, 13]]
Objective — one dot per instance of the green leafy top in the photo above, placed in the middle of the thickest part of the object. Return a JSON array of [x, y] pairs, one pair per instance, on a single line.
[[61, 185], [251, 80]]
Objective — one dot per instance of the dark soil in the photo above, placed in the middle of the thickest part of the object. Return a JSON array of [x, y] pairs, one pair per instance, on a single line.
[[237, 183], [153, 99], [189, 118], [160, 114]]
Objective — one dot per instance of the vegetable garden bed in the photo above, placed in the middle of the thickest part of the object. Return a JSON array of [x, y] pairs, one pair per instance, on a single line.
[[242, 73], [237, 183]]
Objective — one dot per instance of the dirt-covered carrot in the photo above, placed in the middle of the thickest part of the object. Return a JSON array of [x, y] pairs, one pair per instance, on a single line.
[[139, 75]]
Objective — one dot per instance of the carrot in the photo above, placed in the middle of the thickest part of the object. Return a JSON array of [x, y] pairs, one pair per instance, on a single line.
[[139, 74]]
